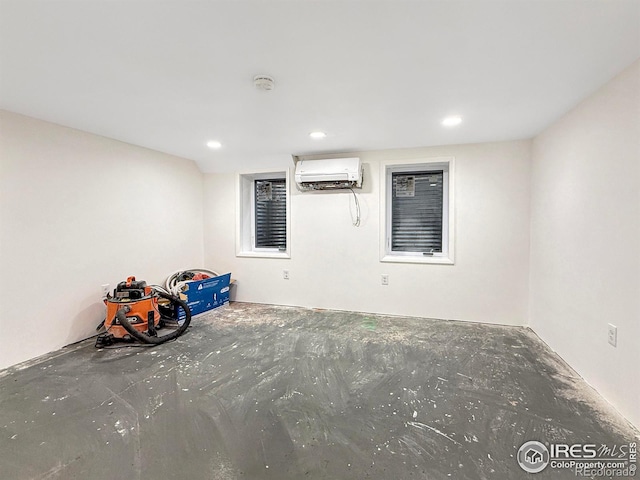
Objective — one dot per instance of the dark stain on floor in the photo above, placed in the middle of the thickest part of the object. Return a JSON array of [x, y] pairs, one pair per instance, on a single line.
[[267, 392]]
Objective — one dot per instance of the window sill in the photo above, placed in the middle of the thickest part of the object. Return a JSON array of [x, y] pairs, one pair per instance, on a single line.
[[251, 254], [417, 259]]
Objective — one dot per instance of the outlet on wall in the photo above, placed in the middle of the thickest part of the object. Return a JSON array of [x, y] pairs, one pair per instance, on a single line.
[[612, 335], [104, 290], [384, 279], [285, 274]]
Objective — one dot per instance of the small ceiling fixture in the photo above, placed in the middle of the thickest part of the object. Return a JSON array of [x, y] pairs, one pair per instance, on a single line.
[[263, 82], [214, 144], [317, 135], [452, 121]]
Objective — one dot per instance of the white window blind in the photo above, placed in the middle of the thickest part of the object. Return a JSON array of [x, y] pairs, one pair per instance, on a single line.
[[270, 197]]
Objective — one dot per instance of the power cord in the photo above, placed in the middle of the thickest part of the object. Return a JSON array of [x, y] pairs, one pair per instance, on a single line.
[[356, 223]]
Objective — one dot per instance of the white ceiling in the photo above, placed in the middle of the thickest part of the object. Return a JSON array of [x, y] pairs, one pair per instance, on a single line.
[[171, 75]]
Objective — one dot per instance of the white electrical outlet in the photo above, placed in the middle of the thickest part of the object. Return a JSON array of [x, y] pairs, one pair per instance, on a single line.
[[104, 290], [384, 279], [612, 335], [285, 274]]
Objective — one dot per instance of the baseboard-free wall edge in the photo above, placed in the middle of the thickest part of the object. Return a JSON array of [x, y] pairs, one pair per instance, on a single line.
[[72, 347], [394, 315], [606, 401]]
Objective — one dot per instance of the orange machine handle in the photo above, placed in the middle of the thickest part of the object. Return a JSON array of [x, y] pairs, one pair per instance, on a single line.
[[129, 280]]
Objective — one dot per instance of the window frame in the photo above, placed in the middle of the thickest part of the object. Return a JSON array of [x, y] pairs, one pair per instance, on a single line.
[[246, 217], [446, 164]]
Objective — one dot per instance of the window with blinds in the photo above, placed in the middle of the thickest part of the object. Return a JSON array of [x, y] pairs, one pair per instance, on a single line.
[[418, 211], [270, 203], [264, 215], [417, 203]]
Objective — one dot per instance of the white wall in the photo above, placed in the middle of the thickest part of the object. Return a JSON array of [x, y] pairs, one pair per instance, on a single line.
[[585, 244], [335, 265], [78, 211]]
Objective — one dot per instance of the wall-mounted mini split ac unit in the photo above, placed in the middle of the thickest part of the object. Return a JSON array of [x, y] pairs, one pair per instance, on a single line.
[[329, 174]]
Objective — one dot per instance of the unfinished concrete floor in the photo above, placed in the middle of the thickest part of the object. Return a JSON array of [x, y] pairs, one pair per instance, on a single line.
[[262, 392]]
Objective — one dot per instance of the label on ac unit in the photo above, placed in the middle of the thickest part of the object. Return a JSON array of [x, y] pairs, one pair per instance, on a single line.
[[405, 186]]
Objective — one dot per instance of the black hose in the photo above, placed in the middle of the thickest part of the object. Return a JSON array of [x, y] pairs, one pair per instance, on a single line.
[[143, 337]]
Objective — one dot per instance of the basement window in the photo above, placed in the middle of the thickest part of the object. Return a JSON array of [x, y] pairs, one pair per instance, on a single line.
[[417, 213], [264, 212]]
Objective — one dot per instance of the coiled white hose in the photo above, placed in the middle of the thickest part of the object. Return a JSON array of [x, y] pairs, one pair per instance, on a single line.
[[175, 287]]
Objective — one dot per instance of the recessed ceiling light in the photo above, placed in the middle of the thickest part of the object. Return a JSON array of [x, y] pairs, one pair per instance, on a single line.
[[214, 144], [317, 134], [452, 121]]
